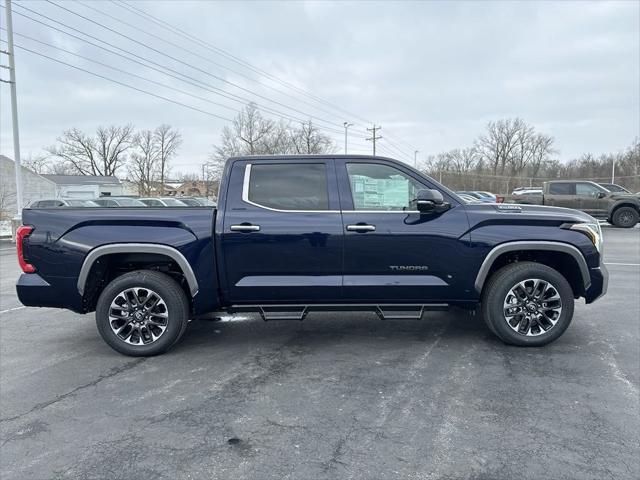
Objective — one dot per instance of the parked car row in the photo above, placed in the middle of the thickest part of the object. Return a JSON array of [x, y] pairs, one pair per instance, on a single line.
[[477, 196], [125, 202]]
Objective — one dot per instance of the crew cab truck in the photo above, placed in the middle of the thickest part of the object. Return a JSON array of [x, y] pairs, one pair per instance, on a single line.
[[621, 209], [295, 234]]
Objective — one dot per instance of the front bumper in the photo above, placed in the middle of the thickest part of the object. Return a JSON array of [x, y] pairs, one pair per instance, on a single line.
[[599, 283]]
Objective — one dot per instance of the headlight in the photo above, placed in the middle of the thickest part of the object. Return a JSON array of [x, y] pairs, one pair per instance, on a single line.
[[593, 231]]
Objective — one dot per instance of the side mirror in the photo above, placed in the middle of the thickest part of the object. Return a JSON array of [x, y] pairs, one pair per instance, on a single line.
[[601, 194], [430, 201]]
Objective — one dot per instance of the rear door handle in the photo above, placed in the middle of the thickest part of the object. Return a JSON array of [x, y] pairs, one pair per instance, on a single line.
[[245, 227], [361, 227]]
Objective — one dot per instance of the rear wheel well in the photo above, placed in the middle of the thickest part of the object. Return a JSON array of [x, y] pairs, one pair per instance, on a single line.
[[110, 266], [564, 263]]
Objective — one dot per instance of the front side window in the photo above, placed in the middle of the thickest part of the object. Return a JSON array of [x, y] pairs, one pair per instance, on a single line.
[[587, 190], [381, 187], [290, 186]]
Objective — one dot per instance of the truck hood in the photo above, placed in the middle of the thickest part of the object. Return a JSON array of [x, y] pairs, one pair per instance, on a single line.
[[508, 211], [625, 196]]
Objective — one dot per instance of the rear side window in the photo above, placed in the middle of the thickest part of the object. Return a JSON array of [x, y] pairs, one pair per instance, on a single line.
[[562, 189], [290, 186]]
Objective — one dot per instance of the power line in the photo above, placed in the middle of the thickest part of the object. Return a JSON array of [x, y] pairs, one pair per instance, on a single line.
[[125, 84], [175, 59], [177, 31], [163, 68], [202, 57]]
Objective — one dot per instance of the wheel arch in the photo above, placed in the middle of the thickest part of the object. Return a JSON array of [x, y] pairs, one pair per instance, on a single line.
[[543, 252], [623, 203], [132, 248]]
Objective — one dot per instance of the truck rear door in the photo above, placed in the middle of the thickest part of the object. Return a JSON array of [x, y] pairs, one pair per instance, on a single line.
[[561, 194], [282, 232]]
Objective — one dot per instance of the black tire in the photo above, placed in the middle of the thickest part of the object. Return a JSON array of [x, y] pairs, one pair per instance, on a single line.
[[500, 286], [625, 217], [176, 307]]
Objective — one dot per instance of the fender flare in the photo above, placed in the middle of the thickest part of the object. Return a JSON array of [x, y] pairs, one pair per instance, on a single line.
[[532, 245], [171, 252], [625, 202]]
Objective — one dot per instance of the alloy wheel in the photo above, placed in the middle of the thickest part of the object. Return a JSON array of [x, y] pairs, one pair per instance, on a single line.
[[138, 316], [532, 307]]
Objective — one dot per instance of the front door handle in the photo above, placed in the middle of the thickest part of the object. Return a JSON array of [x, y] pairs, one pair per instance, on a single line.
[[245, 227], [361, 227]]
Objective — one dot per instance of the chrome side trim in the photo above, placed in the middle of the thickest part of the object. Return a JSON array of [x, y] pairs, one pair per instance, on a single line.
[[532, 245], [98, 252]]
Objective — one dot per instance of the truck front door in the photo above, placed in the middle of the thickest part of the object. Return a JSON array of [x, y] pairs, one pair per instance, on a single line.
[[282, 232], [393, 253], [589, 199]]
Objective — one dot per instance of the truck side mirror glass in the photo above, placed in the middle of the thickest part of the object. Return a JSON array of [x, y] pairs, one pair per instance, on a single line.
[[601, 194], [430, 201]]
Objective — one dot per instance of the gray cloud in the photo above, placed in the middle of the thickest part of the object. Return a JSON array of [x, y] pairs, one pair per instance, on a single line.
[[431, 73]]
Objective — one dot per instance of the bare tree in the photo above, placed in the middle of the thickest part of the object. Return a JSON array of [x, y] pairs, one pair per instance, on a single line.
[[252, 134], [167, 142], [309, 140], [102, 154], [37, 163], [497, 145], [143, 165]]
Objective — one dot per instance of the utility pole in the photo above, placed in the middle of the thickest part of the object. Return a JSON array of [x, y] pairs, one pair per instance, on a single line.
[[346, 127], [374, 137], [14, 105], [613, 171], [415, 158]]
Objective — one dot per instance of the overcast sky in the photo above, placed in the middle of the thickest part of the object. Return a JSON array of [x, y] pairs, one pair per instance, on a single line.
[[432, 74]]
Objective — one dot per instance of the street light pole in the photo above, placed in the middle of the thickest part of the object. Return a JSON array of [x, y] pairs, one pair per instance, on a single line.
[[14, 105], [613, 171], [346, 127]]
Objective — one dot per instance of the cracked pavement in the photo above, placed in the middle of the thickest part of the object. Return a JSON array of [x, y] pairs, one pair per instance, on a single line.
[[335, 396]]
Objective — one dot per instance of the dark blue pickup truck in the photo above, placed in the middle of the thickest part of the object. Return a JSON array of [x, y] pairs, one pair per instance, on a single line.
[[294, 234]]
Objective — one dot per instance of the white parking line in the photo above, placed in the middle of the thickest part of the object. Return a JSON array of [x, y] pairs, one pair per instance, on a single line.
[[12, 309], [623, 264]]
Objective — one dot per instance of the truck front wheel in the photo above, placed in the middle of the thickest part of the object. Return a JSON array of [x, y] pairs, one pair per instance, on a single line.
[[142, 313], [527, 304], [625, 217]]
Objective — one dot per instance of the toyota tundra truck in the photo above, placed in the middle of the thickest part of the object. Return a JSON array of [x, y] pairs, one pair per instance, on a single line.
[[297, 234]]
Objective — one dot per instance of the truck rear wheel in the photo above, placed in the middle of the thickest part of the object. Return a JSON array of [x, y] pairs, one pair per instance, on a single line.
[[142, 313], [625, 217], [527, 304]]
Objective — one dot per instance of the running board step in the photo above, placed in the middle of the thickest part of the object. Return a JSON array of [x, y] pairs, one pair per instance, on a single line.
[[299, 312]]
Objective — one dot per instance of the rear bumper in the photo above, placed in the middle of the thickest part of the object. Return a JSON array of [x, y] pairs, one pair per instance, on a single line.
[[599, 283], [35, 291]]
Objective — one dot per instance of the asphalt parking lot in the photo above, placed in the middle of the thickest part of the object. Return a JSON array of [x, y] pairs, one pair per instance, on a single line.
[[336, 396]]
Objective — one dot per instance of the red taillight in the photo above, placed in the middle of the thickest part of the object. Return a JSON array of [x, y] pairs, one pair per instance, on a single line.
[[23, 232], [499, 199]]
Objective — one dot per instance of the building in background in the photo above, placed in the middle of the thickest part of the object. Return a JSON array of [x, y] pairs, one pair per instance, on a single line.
[[198, 188], [85, 186], [34, 187]]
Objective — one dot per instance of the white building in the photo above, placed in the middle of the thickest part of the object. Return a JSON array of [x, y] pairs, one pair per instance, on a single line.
[[85, 186], [34, 187]]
